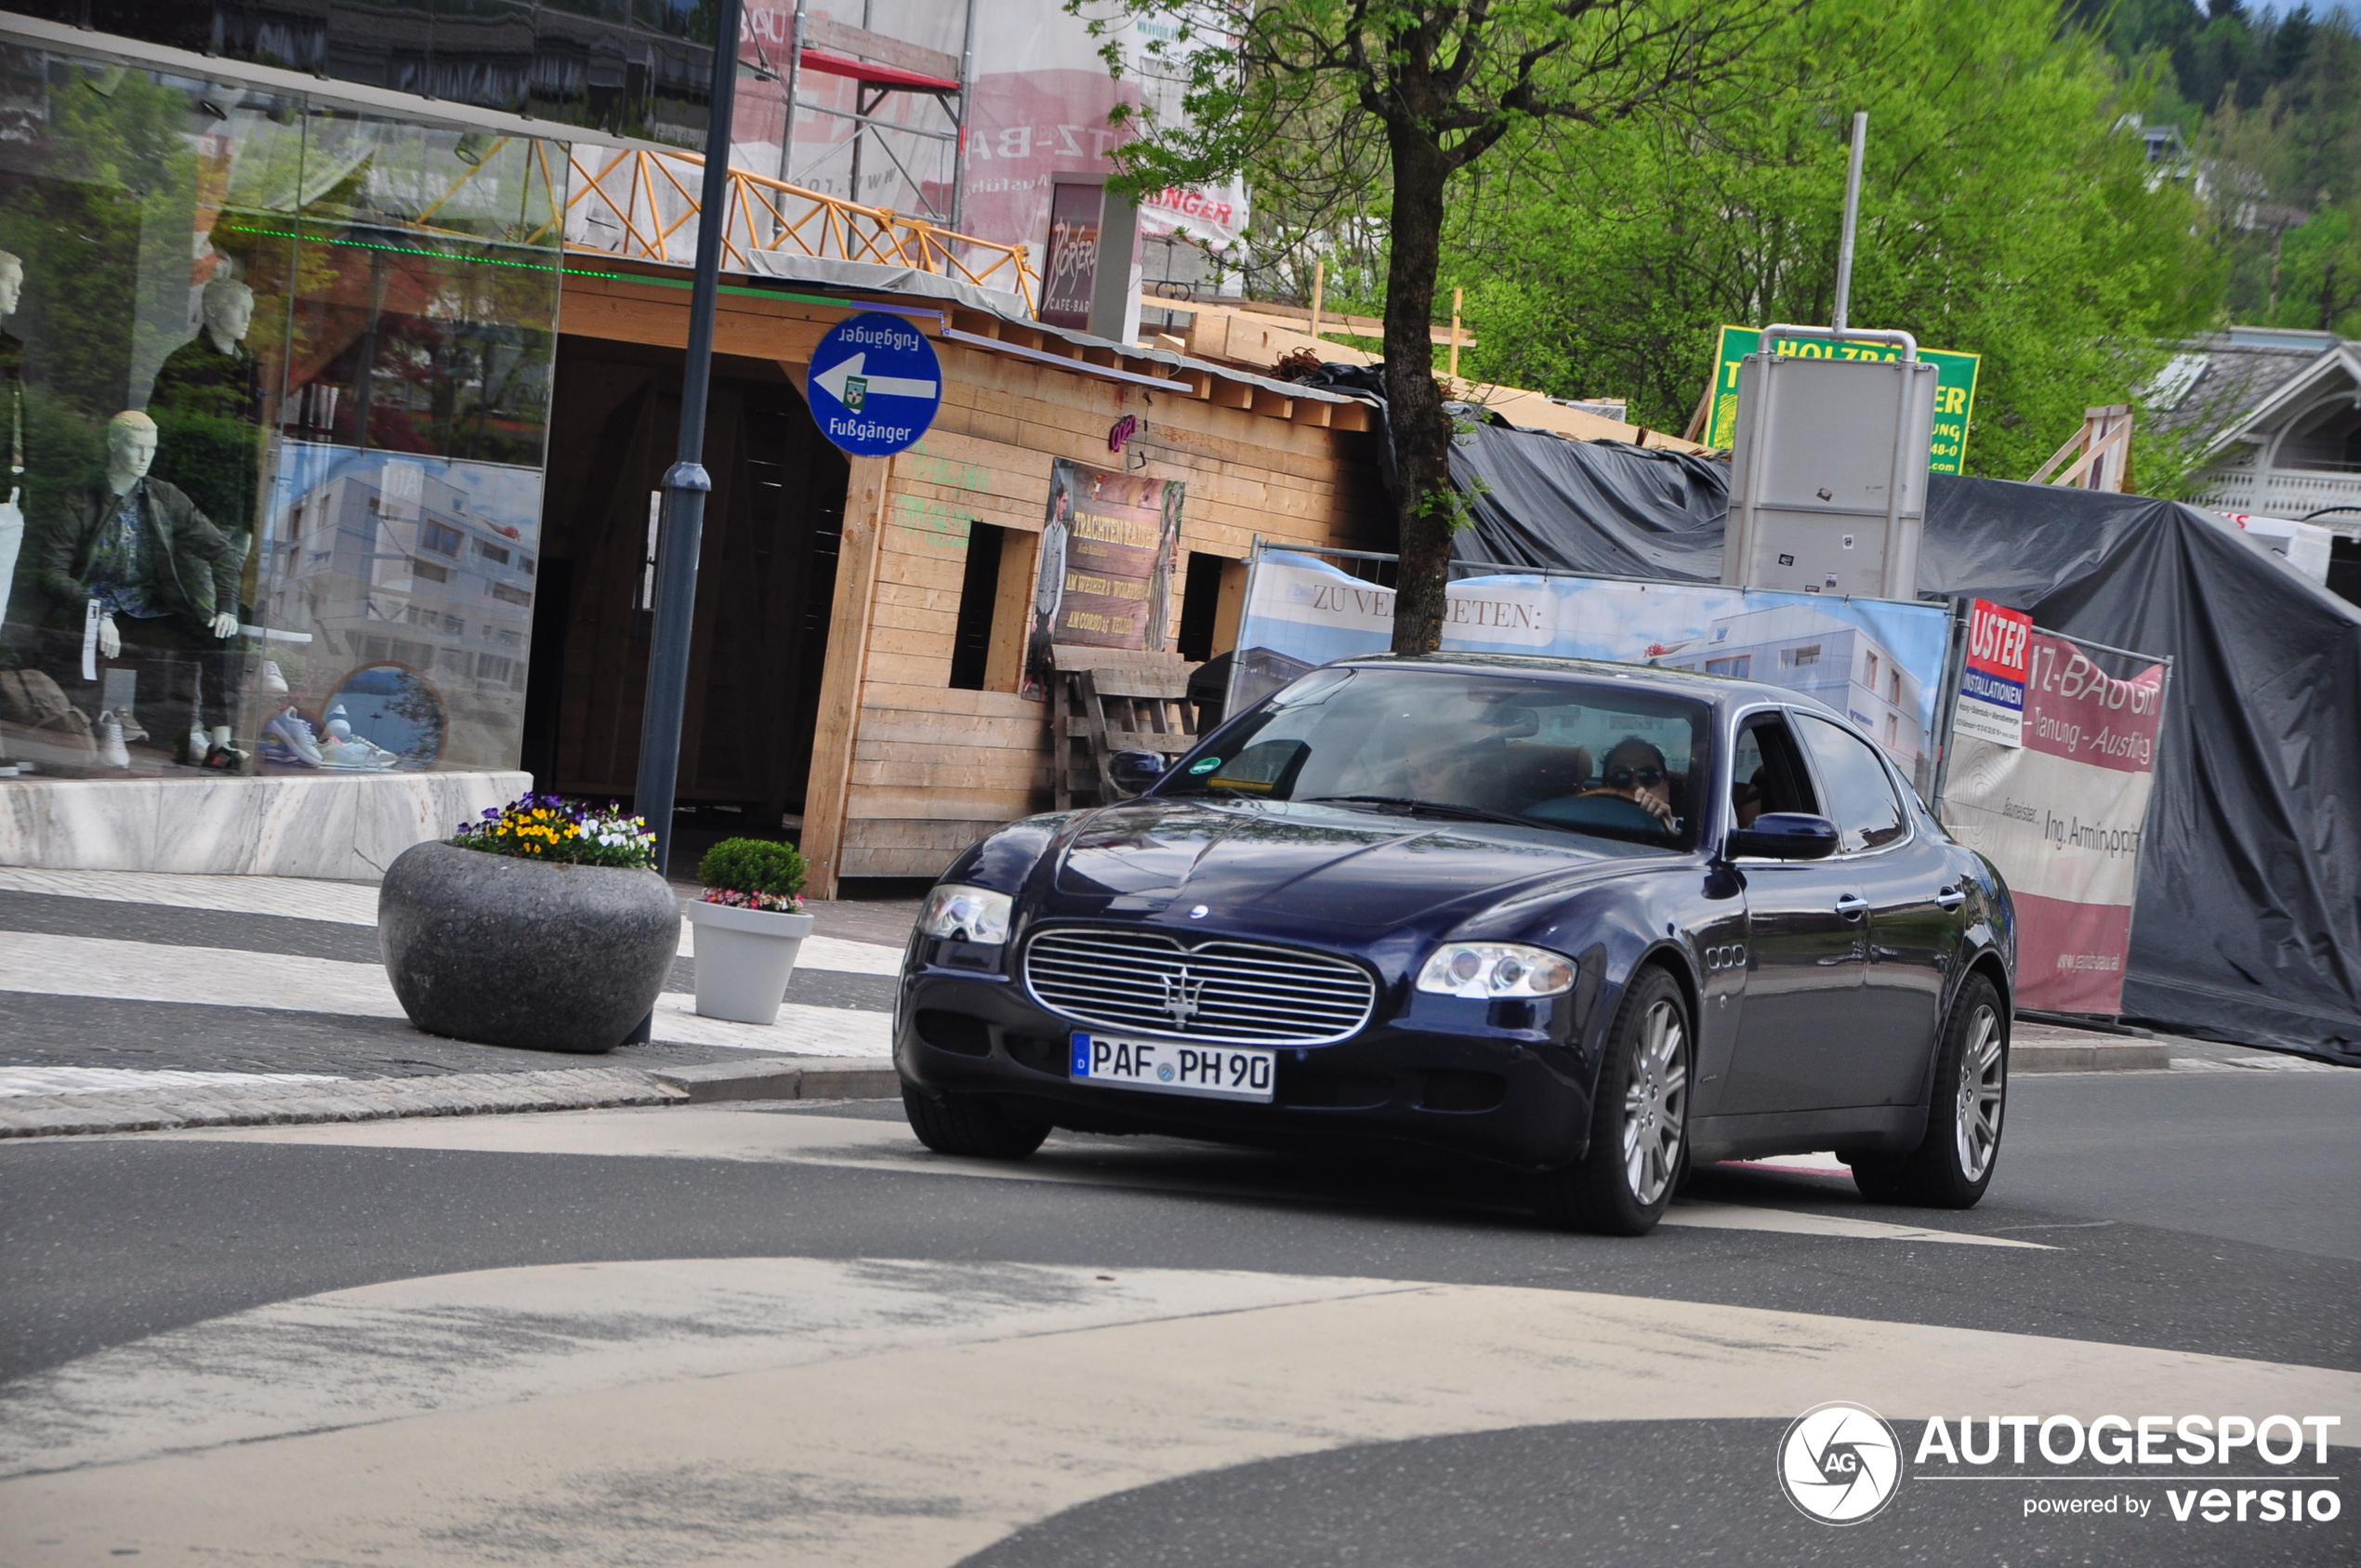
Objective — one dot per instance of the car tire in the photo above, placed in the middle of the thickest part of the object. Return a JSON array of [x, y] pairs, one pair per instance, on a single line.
[[960, 1124], [1639, 1119], [1952, 1166]]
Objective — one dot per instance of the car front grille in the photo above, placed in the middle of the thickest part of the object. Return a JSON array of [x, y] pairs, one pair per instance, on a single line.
[[1237, 993]]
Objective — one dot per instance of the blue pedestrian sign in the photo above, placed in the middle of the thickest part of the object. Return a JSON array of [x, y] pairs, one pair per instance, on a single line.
[[876, 385]]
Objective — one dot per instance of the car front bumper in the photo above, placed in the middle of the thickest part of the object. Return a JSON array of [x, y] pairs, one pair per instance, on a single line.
[[1497, 1082]]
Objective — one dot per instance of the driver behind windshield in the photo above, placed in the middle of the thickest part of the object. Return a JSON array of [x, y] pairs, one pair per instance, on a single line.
[[1635, 771]]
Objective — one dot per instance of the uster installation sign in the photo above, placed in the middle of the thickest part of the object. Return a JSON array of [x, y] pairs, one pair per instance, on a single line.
[[2062, 813], [1991, 704], [1953, 393], [876, 385]]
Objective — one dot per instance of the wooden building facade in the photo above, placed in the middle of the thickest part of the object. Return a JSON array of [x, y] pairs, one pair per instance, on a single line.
[[862, 621]]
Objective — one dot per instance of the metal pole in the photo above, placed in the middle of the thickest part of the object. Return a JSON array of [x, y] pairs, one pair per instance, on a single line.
[[686, 483], [1852, 218], [795, 69], [959, 149]]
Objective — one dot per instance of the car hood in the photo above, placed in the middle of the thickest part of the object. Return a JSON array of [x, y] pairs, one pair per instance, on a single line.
[[1316, 863]]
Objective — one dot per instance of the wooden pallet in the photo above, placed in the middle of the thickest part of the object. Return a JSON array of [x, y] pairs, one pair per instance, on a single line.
[[1109, 701]]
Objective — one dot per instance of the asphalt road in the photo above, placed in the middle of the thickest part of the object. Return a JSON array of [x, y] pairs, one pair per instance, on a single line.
[[784, 1334]]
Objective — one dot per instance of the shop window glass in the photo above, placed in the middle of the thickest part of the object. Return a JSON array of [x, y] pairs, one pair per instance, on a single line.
[[274, 383]]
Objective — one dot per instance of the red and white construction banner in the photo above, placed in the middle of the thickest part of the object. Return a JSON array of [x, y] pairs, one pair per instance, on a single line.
[[2061, 812]]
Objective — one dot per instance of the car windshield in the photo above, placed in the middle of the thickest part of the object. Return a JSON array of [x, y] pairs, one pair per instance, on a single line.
[[1591, 756]]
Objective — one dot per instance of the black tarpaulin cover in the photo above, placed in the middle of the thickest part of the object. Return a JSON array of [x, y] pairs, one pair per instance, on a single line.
[[2248, 922]]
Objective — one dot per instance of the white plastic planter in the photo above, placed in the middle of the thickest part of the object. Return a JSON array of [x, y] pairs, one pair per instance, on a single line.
[[744, 959]]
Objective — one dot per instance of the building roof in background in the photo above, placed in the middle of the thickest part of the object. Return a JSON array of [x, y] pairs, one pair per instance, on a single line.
[[2221, 387]]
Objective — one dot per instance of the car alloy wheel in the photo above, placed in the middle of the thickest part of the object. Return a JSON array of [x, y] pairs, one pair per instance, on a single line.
[[1981, 1089], [1951, 1167], [1654, 1104], [1638, 1118]]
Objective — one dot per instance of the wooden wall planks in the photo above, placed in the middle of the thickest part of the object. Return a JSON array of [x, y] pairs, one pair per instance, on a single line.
[[907, 772]]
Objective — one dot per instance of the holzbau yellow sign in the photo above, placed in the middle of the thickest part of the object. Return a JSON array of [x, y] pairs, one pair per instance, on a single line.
[[1954, 397]]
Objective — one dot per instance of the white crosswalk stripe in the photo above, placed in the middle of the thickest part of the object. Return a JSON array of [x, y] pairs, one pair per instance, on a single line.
[[350, 904], [99, 1080], [141, 971]]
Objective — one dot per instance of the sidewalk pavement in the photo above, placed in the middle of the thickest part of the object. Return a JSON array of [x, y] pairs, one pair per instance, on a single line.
[[132, 1002]]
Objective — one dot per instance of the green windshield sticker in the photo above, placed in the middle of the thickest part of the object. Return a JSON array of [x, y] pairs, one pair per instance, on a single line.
[[1205, 765]]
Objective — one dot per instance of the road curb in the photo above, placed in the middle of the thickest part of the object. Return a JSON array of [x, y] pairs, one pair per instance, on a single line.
[[812, 1078], [2096, 1056], [450, 1094]]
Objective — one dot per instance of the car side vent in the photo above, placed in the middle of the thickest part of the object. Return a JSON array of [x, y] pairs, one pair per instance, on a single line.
[[954, 1032], [1463, 1091]]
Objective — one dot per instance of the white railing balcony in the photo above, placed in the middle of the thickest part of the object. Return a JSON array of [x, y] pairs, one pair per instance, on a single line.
[[2286, 493]]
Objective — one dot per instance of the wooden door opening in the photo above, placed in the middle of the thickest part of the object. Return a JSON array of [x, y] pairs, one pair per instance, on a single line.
[[766, 578]]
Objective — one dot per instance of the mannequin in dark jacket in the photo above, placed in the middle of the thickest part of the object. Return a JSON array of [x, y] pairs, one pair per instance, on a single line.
[[162, 581]]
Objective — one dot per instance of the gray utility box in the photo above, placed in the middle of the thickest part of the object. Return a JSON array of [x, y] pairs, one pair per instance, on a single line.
[[1828, 475]]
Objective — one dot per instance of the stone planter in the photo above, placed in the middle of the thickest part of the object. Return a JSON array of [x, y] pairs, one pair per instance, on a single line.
[[508, 952], [744, 959]]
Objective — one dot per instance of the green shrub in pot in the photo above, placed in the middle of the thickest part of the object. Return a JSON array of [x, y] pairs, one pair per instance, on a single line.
[[750, 925]]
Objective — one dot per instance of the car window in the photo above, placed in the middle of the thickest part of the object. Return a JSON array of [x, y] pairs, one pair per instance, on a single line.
[[1590, 757], [1861, 798], [1768, 773]]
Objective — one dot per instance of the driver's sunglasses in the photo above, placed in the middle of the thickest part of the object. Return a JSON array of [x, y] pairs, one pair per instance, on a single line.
[[1624, 778]]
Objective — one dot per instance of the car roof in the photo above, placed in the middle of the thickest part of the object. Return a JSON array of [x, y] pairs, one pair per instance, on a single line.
[[1720, 690]]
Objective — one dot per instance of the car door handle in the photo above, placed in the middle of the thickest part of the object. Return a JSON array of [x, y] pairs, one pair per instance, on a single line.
[[1852, 906], [1950, 898]]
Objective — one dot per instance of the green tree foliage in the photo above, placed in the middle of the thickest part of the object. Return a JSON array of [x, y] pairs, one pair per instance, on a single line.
[[1441, 85], [2006, 211], [2271, 107]]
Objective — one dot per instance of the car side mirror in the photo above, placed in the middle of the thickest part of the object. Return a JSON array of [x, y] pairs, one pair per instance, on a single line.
[[1135, 771], [1785, 836]]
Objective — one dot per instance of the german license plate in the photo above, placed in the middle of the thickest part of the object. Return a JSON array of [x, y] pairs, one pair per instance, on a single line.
[[1168, 1067]]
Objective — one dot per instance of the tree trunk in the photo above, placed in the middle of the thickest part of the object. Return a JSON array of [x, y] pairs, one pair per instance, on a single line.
[[1421, 431]]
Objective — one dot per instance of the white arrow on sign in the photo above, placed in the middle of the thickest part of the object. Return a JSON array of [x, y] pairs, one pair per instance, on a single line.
[[833, 378]]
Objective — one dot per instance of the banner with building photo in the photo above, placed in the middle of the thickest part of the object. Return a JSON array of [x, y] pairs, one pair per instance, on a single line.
[[1042, 97], [2063, 813], [1105, 577], [1880, 663]]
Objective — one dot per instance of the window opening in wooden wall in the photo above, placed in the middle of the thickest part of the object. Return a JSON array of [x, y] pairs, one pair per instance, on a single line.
[[979, 590], [1200, 606]]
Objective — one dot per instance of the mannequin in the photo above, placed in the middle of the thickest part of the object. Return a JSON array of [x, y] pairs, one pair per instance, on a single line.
[[11, 427], [132, 555], [12, 433], [208, 406]]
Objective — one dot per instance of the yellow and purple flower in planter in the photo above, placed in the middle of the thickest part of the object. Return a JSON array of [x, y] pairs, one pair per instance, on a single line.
[[549, 827]]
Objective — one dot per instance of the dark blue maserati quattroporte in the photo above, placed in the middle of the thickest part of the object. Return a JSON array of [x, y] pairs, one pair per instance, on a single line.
[[1588, 921]]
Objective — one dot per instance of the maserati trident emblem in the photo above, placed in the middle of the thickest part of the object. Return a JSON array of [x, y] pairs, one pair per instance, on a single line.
[[1181, 995]]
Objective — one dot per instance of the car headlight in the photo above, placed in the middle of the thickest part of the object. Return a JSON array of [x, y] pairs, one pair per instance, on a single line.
[[1484, 971], [971, 913]]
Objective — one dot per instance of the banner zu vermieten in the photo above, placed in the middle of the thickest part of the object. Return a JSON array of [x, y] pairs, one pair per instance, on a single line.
[[1879, 662]]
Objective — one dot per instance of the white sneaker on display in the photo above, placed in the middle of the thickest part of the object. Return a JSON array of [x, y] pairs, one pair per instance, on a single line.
[[272, 679], [111, 748], [288, 739]]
